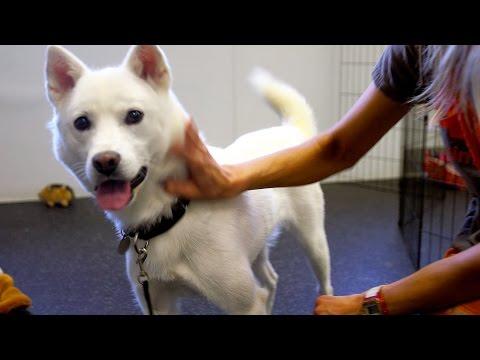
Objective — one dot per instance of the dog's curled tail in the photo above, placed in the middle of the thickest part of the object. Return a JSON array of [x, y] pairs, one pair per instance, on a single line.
[[291, 105]]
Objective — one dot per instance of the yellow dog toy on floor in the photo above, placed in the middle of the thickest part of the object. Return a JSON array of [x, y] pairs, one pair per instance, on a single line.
[[56, 195], [11, 298]]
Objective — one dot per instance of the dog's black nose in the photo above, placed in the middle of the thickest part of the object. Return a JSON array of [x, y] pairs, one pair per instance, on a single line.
[[106, 162]]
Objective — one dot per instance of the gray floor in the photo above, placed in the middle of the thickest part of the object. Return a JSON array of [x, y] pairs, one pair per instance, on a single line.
[[66, 259]]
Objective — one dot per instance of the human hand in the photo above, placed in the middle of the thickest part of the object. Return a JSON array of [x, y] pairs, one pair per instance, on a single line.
[[207, 179], [339, 305]]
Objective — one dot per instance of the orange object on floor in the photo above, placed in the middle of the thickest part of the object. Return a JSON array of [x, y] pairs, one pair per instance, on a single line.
[[470, 308], [11, 298]]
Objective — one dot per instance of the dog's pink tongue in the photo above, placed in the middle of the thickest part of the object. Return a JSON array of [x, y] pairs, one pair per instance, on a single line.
[[114, 195]]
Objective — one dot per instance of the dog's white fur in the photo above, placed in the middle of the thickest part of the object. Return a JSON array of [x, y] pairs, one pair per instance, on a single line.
[[219, 248]]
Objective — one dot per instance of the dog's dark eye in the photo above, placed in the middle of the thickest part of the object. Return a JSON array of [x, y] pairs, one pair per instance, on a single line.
[[133, 117], [82, 123]]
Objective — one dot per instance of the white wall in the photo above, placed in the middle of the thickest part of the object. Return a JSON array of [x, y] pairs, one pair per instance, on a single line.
[[209, 80], [308, 68], [354, 65]]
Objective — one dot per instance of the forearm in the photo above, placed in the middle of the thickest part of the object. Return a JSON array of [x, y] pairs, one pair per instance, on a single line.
[[320, 157], [440, 285], [304, 164], [329, 153]]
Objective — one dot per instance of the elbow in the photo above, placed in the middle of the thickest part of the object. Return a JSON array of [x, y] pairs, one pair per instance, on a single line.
[[348, 161], [335, 150]]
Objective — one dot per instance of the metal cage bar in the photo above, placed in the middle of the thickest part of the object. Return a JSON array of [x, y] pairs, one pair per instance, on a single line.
[[431, 208]]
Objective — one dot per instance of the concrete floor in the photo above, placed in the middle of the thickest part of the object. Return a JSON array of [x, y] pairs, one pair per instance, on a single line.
[[66, 260]]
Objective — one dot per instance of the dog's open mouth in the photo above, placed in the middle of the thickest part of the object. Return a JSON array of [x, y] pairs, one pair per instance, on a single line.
[[115, 195]]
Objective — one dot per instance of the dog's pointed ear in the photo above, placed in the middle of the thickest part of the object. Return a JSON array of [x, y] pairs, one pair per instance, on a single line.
[[63, 70], [150, 64]]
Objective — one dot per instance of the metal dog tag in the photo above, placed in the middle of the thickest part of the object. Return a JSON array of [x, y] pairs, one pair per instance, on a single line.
[[124, 245]]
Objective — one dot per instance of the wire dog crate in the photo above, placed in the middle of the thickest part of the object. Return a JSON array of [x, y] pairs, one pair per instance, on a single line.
[[433, 198], [409, 161], [381, 168]]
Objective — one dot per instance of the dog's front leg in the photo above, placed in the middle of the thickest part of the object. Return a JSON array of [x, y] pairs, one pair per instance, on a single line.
[[232, 288], [163, 300]]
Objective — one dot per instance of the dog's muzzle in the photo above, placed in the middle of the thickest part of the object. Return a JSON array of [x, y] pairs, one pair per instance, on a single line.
[[115, 195]]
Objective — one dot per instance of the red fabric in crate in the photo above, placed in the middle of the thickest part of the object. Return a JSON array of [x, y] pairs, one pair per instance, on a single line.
[[457, 127]]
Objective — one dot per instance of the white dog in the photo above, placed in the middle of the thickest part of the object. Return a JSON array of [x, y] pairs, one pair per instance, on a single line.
[[113, 128]]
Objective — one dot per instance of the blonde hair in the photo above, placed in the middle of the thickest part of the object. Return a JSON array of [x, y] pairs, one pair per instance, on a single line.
[[454, 71]]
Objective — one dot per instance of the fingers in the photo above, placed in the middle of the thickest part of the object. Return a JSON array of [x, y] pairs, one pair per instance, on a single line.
[[178, 150], [193, 147], [185, 189], [191, 125], [207, 177], [193, 142], [318, 308], [320, 300], [320, 305]]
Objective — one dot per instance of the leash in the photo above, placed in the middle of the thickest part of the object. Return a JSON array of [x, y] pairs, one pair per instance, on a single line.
[[146, 234], [143, 276]]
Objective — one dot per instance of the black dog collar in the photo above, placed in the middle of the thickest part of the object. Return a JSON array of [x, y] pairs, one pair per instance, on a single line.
[[162, 226], [148, 232]]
